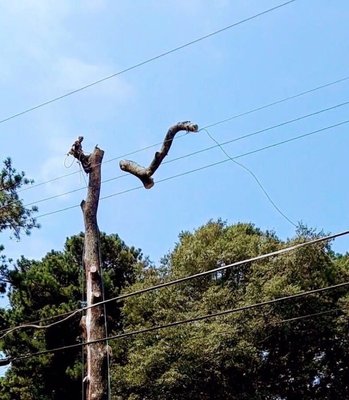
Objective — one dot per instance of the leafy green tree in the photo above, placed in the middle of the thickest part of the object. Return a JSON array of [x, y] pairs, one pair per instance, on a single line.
[[15, 217], [257, 354], [263, 353], [53, 285]]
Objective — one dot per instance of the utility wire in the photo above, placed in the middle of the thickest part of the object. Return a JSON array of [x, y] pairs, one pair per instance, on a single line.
[[164, 54], [105, 315], [183, 322], [205, 166], [82, 277], [196, 152], [190, 277], [7, 360], [223, 121], [69, 315], [299, 317], [254, 176], [207, 126]]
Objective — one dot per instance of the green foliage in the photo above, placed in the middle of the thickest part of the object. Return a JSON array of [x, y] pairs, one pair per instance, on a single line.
[[262, 353], [255, 354], [15, 217], [40, 289]]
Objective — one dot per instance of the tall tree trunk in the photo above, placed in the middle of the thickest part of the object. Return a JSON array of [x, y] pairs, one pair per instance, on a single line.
[[93, 323]]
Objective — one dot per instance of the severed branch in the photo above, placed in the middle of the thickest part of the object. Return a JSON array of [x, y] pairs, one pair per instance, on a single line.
[[76, 151], [145, 174]]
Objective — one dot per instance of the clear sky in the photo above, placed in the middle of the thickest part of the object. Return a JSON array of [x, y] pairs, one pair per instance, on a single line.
[[49, 48]]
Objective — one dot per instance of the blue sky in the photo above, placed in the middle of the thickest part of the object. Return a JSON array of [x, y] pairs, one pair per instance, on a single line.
[[50, 48]]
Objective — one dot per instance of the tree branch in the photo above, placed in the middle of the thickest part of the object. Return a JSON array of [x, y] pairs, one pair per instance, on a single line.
[[145, 174]]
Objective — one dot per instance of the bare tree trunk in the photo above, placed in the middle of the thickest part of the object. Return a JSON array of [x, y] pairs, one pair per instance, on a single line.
[[93, 322]]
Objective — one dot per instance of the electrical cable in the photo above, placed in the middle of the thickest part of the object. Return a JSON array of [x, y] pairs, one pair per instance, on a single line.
[[184, 321], [254, 176], [166, 53], [206, 126], [205, 166], [223, 121], [194, 153], [34, 326], [194, 276], [7, 360], [83, 300], [300, 317], [105, 316]]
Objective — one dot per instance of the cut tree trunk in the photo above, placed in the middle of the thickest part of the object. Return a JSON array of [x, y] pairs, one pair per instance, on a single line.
[[93, 323]]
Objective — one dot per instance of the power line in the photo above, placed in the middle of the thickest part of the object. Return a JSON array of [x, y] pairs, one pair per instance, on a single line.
[[207, 126], [190, 277], [164, 54], [183, 322], [205, 166], [34, 326], [300, 317], [196, 152], [7, 360], [276, 102]]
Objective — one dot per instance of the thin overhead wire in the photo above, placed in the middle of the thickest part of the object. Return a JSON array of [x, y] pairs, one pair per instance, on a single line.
[[254, 176], [300, 317], [184, 321], [205, 166], [149, 60], [105, 316], [258, 132], [191, 277], [223, 121], [83, 299], [7, 360], [69, 315], [206, 126]]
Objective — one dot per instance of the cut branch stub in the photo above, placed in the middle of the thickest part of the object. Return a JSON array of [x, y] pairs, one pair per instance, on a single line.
[[76, 151], [138, 171], [145, 174]]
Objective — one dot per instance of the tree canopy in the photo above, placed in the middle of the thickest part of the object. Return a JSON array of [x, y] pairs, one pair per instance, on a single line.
[[257, 354], [54, 285], [288, 350]]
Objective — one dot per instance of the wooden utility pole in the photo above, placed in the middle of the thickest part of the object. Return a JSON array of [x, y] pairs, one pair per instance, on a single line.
[[93, 323]]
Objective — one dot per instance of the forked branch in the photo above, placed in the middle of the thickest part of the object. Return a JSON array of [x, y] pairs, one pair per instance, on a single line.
[[145, 174]]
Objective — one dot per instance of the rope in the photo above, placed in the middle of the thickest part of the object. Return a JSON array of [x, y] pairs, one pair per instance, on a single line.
[[271, 201]]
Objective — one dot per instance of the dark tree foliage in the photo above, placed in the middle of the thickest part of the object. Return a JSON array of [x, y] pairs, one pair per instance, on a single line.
[[263, 353], [257, 354], [15, 217], [44, 288]]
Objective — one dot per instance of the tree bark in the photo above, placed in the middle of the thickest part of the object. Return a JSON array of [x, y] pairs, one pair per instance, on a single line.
[[145, 174], [93, 323]]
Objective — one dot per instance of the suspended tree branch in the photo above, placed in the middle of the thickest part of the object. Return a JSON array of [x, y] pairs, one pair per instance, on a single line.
[[145, 174], [92, 324]]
